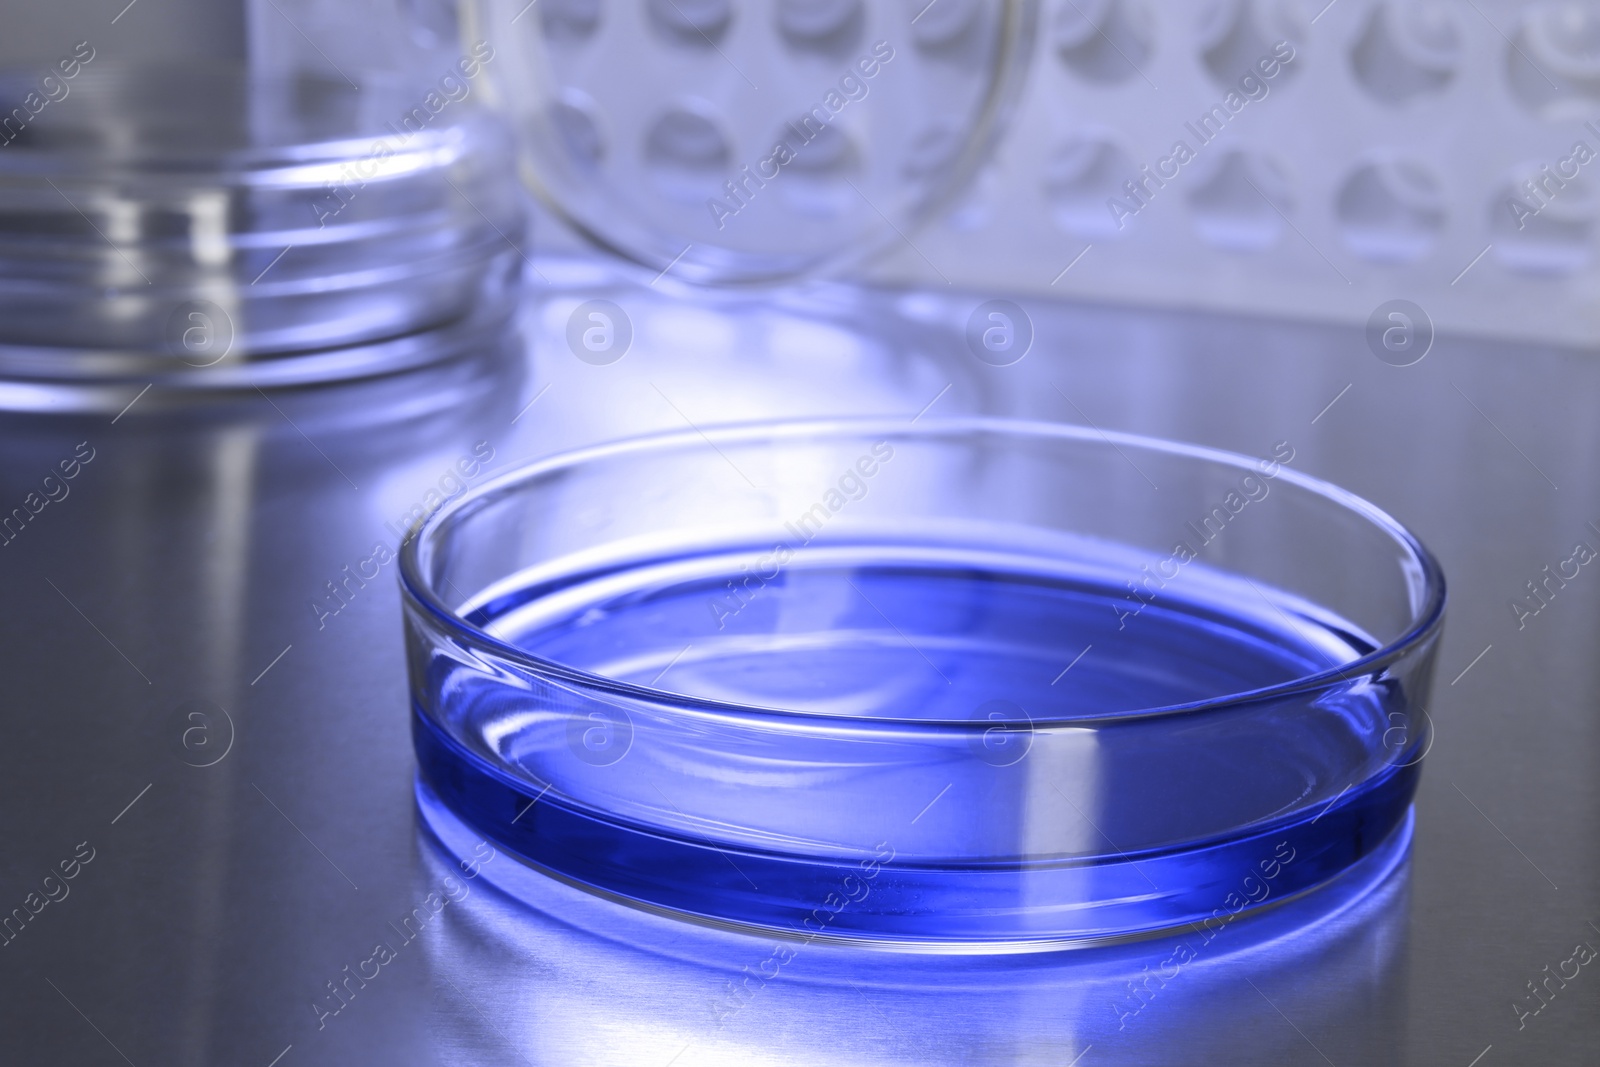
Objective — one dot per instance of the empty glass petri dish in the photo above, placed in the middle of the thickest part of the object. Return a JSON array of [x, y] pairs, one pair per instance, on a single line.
[[964, 684], [202, 226], [724, 141]]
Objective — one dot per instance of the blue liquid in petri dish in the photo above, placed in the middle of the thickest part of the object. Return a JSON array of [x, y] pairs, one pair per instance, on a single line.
[[1059, 809]]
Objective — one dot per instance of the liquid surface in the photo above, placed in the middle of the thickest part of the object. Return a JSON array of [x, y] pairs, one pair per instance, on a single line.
[[936, 639]]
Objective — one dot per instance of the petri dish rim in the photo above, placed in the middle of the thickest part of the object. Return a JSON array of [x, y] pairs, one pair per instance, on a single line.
[[241, 163], [417, 553], [732, 269]]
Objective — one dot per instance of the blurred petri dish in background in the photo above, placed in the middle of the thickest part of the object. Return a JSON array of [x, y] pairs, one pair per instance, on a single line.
[[205, 228], [969, 684], [728, 142]]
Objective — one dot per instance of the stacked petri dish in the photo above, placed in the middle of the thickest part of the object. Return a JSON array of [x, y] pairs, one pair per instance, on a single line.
[[203, 228]]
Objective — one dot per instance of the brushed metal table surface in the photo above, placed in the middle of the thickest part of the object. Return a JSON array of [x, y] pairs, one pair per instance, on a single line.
[[235, 762]]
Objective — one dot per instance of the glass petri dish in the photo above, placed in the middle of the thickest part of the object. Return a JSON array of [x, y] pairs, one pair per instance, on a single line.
[[202, 226], [750, 142], [966, 684]]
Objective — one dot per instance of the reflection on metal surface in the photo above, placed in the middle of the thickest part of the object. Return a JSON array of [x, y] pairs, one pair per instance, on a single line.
[[176, 584], [528, 970], [198, 937]]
